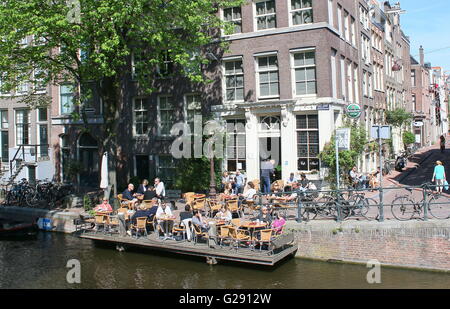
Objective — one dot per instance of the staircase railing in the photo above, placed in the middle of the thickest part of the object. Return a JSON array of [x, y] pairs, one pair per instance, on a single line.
[[20, 156]]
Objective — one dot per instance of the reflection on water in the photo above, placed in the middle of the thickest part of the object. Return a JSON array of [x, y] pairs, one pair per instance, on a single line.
[[41, 263]]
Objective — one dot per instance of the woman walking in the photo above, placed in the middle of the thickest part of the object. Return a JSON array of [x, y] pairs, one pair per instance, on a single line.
[[442, 143], [439, 176]]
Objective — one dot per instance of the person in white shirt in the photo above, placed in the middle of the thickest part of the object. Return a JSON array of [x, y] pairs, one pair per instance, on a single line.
[[166, 225], [289, 182], [159, 188], [249, 195], [224, 214]]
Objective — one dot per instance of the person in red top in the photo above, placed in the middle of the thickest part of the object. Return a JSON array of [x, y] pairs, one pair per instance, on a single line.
[[104, 206]]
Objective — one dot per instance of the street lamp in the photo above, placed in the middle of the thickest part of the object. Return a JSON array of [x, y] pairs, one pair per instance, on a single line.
[[213, 127]]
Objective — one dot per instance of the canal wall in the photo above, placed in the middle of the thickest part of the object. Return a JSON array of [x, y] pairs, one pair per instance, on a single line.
[[413, 244], [61, 221]]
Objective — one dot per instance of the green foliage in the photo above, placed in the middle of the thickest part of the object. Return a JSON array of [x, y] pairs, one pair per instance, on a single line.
[[408, 138], [87, 203], [398, 117], [193, 175], [348, 158]]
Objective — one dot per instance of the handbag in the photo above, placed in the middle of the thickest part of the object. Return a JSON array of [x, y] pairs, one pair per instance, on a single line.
[[446, 185]]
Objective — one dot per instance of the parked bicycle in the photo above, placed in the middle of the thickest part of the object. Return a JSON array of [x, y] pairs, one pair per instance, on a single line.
[[404, 208]]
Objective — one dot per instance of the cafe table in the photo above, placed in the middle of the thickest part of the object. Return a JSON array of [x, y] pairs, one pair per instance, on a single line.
[[252, 226], [166, 231]]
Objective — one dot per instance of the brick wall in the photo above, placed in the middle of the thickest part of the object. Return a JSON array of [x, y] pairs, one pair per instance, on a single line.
[[418, 247]]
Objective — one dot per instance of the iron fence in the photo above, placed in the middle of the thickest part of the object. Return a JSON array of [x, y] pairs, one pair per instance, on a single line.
[[389, 203]]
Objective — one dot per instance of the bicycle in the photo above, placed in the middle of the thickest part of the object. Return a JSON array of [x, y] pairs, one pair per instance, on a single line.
[[404, 208]]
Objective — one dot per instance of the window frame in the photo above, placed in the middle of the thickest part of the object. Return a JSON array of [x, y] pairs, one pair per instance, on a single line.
[[293, 69], [145, 101], [66, 95], [23, 125], [292, 11], [224, 80], [159, 131], [256, 16], [268, 70], [233, 20], [308, 130]]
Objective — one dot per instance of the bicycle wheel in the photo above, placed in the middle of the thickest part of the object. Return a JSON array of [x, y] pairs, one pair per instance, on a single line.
[[370, 204], [31, 200], [439, 207], [403, 208]]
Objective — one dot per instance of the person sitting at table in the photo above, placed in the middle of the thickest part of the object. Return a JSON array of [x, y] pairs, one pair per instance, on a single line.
[[104, 206], [289, 182], [129, 195], [264, 216], [228, 189], [144, 212], [199, 221], [185, 218], [224, 214], [142, 187], [149, 194], [164, 211], [278, 223], [159, 188], [249, 195]]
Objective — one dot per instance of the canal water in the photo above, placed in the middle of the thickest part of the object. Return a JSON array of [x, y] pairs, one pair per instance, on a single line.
[[42, 263]]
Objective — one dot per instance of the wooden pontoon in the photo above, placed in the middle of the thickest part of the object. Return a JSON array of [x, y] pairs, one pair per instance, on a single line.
[[283, 246]]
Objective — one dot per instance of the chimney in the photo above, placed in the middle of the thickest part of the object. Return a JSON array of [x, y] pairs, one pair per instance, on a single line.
[[422, 56]]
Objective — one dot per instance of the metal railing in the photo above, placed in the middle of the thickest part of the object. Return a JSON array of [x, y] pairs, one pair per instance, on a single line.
[[389, 203]]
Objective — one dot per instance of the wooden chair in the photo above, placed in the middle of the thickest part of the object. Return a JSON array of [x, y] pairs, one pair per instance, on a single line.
[[100, 220], [199, 204], [153, 223], [238, 236], [112, 223], [236, 222], [125, 212], [223, 234], [179, 229], [233, 206], [122, 201], [189, 197], [214, 206], [141, 225], [148, 203], [256, 182], [265, 237], [197, 233]]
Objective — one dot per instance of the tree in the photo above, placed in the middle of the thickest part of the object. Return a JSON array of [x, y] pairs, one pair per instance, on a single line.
[[193, 175], [91, 43], [347, 159], [398, 117], [408, 138]]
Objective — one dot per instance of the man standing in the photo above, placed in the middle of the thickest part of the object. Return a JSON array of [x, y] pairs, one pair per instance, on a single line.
[[240, 182], [267, 170], [159, 187]]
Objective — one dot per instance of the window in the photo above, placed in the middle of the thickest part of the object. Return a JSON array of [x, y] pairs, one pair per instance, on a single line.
[[267, 69], [166, 111], [305, 73], [343, 83], [414, 102], [165, 68], [23, 121], [334, 73], [194, 107], [235, 145], [364, 84], [356, 83], [370, 86], [350, 82], [330, 13], [413, 78], [340, 19], [4, 136], [22, 88], [233, 16], [66, 99], [265, 15], [42, 126], [347, 26], [140, 117], [308, 142], [65, 157], [234, 81], [166, 169], [38, 81], [301, 12], [353, 32], [2, 84]]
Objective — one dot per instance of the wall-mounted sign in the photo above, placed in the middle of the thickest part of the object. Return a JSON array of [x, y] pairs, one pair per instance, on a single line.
[[323, 107], [354, 111], [384, 131], [418, 124]]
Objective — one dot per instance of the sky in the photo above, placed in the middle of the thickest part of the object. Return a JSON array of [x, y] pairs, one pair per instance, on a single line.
[[427, 23]]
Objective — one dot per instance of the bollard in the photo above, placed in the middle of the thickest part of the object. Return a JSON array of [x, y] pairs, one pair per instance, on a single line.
[[122, 225], [299, 207], [338, 206], [381, 208], [425, 205]]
